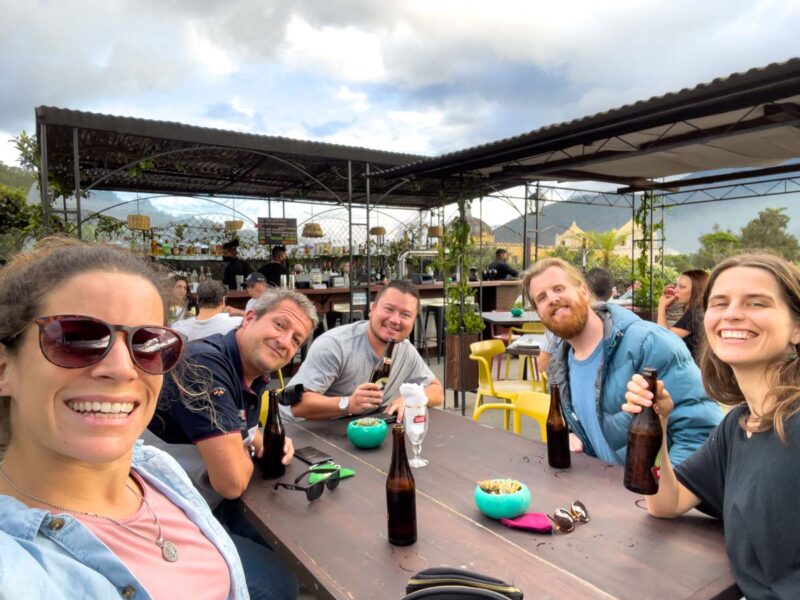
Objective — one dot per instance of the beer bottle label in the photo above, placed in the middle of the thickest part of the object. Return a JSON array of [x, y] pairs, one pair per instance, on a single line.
[[382, 382]]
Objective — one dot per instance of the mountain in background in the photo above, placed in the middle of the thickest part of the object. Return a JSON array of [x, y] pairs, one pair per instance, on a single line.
[[683, 224]]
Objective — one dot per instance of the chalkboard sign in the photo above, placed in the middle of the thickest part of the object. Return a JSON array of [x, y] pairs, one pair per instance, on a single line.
[[277, 232]]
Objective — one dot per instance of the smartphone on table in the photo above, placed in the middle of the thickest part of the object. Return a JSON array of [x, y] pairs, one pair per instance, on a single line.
[[312, 456]]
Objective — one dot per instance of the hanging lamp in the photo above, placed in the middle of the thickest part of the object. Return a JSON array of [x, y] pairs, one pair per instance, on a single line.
[[435, 231], [234, 224], [138, 222]]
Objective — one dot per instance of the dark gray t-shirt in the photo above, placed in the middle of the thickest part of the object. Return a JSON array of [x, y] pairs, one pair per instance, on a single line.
[[342, 359], [753, 485]]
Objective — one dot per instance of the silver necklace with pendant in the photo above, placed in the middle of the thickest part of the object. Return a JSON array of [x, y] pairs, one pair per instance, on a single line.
[[169, 551]]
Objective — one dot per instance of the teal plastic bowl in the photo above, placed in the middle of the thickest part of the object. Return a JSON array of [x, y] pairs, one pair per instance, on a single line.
[[517, 312], [503, 506], [366, 435]]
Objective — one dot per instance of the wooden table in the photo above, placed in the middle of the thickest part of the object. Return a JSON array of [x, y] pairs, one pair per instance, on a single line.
[[339, 546]]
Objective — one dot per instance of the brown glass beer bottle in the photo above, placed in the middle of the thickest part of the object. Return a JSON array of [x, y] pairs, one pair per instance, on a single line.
[[401, 502], [274, 438], [644, 442], [557, 432], [380, 373]]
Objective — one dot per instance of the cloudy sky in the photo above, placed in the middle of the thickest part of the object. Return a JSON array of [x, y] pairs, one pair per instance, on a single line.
[[420, 76]]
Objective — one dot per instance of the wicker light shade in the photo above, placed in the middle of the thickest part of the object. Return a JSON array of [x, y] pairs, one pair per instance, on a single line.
[[379, 231], [233, 225], [139, 222], [435, 231], [312, 230]]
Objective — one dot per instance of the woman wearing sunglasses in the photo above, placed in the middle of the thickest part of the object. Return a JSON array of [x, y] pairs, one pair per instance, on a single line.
[[85, 510], [748, 470]]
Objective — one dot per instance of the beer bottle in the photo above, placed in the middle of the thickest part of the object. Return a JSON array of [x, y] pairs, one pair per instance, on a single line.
[[401, 502], [380, 374], [274, 437], [644, 442], [557, 433]]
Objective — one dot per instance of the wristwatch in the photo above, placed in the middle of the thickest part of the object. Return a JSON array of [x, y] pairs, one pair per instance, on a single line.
[[344, 404]]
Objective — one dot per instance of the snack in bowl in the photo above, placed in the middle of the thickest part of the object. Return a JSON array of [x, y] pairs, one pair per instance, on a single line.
[[502, 498], [366, 432]]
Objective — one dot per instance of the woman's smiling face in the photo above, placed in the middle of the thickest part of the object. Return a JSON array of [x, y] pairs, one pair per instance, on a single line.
[[747, 321], [91, 414]]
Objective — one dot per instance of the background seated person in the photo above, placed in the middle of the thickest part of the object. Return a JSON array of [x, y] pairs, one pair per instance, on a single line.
[[603, 347], [255, 284], [339, 364], [212, 317], [748, 470], [86, 511]]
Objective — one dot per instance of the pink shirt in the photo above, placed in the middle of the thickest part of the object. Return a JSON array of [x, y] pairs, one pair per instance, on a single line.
[[200, 571]]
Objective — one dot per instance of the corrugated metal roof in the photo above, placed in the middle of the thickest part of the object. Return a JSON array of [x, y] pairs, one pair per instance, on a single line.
[[132, 154]]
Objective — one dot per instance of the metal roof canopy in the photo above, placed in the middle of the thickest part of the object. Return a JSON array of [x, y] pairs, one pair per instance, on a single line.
[[129, 154], [748, 120]]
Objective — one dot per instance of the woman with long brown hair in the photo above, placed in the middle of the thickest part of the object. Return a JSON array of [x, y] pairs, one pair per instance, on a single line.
[[748, 471], [689, 292], [86, 511]]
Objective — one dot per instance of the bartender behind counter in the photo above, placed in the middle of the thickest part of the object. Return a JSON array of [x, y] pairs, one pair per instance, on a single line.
[[233, 264]]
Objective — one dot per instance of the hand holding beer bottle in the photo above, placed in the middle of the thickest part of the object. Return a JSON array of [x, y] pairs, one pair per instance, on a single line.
[[650, 404]]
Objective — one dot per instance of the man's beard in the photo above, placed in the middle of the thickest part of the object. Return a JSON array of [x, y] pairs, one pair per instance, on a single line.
[[567, 327]]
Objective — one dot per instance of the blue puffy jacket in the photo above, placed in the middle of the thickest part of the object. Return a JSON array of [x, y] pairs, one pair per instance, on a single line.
[[629, 345]]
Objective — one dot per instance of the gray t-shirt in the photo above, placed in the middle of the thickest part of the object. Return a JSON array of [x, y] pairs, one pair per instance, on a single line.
[[342, 359], [194, 329]]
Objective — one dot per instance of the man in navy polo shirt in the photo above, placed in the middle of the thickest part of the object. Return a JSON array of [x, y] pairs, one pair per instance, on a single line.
[[215, 409]]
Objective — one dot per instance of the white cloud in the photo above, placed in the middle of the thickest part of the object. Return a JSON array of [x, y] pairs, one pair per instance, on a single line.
[[207, 53], [358, 101], [346, 52]]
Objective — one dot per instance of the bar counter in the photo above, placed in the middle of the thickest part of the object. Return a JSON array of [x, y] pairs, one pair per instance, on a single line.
[[497, 295]]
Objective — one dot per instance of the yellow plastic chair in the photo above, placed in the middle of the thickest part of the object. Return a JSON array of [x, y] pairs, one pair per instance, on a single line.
[[533, 366], [483, 353], [262, 417], [532, 404]]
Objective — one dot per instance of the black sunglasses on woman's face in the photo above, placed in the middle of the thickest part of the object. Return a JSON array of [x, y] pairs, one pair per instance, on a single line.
[[314, 490], [76, 341]]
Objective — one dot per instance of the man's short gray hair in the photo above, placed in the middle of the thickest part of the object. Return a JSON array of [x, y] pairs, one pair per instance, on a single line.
[[269, 301]]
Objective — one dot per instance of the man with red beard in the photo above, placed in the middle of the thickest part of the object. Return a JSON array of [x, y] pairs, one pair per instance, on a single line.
[[337, 370], [604, 345]]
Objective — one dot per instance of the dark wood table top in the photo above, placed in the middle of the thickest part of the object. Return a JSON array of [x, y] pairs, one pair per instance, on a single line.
[[339, 543]]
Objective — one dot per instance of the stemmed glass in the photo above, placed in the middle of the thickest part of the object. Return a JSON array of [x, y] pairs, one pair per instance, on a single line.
[[415, 418]]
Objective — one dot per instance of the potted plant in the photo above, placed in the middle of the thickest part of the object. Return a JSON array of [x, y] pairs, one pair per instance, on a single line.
[[517, 309], [463, 323]]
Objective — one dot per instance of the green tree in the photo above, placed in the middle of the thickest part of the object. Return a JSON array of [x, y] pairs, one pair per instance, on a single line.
[[16, 178], [605, 242], [768, 231], [714, 247]]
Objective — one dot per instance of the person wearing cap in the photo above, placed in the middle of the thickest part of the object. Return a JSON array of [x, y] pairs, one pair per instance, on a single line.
[[276, 267], [233, 264], [256, 284]]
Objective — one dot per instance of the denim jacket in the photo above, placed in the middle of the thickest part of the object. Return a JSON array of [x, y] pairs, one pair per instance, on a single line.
[[55, 556], [629, 345]]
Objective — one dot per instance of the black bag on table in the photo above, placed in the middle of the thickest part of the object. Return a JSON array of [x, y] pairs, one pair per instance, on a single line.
[[447, 583]]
